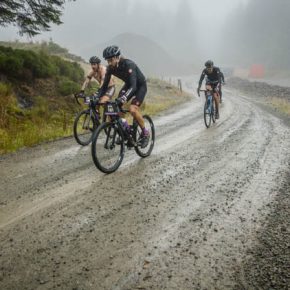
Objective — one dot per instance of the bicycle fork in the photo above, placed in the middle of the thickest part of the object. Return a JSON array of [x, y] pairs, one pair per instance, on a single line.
[[108, 144]]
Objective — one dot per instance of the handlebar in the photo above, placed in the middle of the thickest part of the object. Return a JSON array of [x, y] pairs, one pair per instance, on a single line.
[[84, 97]]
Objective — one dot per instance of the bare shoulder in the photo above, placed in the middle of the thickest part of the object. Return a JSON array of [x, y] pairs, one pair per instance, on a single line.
[[103, 68]]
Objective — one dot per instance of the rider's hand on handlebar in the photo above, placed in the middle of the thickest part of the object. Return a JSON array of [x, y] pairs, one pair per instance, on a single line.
[[81, 94]]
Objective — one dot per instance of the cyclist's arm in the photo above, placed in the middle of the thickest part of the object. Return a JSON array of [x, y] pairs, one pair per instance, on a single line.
[[201, 78], [87, 81], [132, 82], [103, 74], [105, 83]]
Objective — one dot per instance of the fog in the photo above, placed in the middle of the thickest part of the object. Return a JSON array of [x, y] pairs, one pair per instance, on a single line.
[[231, 32]]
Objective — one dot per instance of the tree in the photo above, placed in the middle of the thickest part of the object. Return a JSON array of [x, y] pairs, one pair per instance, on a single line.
[[31, 16]]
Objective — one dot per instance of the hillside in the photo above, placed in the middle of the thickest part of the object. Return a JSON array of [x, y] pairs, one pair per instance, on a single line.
[[35, 97], [153, 59], [50, 48]]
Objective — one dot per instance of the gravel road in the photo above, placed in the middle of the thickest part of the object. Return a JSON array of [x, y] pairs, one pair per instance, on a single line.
[[209, 209]]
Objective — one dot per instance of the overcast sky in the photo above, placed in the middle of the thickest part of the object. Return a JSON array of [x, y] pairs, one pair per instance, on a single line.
[[86, 22]]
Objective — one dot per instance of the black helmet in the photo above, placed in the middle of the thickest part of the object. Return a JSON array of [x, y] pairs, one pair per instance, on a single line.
[[94, 60], [209, 63], [111, 51]]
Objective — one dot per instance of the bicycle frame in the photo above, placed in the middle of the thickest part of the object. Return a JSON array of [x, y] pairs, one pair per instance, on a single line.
[[115, 117], [209, 98]]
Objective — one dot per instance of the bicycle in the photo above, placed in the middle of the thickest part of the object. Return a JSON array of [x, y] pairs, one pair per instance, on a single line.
[[87, 120], [111, 138], [209, 108]]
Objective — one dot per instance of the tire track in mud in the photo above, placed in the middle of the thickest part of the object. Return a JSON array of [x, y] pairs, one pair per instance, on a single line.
[[185, 216]]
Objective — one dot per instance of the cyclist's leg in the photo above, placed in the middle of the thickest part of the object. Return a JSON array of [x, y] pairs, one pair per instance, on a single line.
[[208, 87], [216, 100], [134, 109], [137, 101]]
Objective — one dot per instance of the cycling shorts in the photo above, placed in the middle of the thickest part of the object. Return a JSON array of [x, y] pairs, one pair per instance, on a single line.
[[214, 85], [138, 97]]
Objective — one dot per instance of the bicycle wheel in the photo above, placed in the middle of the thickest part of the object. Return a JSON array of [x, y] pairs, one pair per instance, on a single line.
[[206, 115], [213, 112], [144, 152], [108, 147], [84, 126]]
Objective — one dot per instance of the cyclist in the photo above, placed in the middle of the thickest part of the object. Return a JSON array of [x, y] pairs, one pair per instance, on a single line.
[[213, 82], [134, 88], [220, 86], [98, 72]]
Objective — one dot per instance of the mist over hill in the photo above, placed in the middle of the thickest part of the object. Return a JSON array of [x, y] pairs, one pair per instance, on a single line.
[[259, 32], [152, 58]]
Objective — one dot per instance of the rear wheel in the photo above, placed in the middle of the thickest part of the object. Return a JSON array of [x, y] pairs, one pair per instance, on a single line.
[[149, 125], [84, 126], [108, 147]]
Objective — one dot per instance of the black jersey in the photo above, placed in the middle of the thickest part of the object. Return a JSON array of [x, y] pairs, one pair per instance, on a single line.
[[214, 76], [129, 73]]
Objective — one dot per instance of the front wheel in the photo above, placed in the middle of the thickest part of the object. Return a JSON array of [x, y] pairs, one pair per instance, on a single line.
[[213, 111], [108, 147], [84, 126], [149, 125], [207, 114]]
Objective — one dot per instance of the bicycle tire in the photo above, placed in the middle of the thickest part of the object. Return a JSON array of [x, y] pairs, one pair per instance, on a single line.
[[213, 113], [105, 139], [84, 136], [206, 115], [145, 152]]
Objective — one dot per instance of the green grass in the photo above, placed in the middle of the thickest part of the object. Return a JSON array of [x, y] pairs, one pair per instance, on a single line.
[[282, 105], [47, 120]]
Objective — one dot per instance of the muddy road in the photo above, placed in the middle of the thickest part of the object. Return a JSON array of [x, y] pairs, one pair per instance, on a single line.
[[191, 216]]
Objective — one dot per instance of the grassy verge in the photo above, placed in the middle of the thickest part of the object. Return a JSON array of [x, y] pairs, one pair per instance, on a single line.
[[282, 105], [52, 118]]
